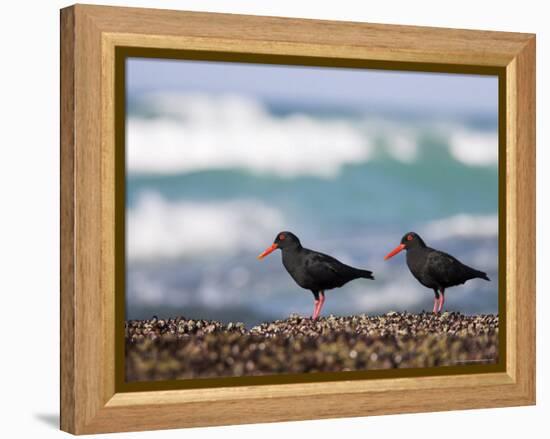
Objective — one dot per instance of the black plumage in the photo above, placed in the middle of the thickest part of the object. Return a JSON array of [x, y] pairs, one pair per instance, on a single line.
[[313, 270], [434, 269]]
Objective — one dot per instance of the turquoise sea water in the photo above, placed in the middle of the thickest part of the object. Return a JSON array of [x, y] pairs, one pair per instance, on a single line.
[[211, 179]]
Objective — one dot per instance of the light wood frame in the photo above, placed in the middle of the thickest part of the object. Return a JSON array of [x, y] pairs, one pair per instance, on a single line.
[[89, 37]]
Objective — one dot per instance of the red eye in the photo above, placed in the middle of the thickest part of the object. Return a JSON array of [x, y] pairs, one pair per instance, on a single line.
[[281, 237], [409, 238]]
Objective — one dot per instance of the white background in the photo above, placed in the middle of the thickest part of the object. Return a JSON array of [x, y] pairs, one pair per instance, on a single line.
[[29, 216]]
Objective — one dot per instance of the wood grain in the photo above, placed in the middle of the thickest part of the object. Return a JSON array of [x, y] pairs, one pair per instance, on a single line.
[[523, 253], [163, 28], [89, 36], [67, 253]]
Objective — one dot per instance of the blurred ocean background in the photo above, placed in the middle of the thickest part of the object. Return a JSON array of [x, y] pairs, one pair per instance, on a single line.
[[221, 157]]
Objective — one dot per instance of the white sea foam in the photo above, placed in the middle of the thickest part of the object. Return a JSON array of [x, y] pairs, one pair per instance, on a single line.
[[193, 132], [158, 228], [399, 294], [463, 225], [403, 147], [474, 148], [235, 132]]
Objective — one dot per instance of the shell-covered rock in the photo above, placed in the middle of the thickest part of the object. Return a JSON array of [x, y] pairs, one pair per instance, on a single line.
[[177, 348]]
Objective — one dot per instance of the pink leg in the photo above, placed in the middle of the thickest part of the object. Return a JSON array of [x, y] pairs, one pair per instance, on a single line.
[[316, 310], [441, 300], [321, 303], [436, 303]]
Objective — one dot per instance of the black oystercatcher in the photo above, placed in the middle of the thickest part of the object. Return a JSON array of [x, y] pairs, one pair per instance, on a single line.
[[313, 270], [433, 268]]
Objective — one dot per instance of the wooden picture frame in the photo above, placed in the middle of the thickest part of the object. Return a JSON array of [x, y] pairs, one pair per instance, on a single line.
[[91, 402]]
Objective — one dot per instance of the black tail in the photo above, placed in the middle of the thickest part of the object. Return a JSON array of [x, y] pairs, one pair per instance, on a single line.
[[366, 274], [481, 275]]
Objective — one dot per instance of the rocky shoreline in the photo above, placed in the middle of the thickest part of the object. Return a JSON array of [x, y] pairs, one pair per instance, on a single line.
[[179, 348]]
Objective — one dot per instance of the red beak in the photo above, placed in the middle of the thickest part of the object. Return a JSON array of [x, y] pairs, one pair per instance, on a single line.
[[394, 251], [268, 251]]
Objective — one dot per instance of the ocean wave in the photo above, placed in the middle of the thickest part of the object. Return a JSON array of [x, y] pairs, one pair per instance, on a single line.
[[158, 228], [192, 132], [462, 225], [474, 148], [399, 294], [199, 133]]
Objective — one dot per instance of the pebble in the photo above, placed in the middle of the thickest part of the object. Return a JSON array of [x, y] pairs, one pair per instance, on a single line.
[[179, 348]]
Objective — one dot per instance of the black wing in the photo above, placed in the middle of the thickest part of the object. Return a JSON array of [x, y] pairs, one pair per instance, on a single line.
[[447, 270], [330, 272]]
